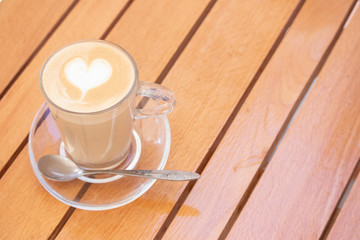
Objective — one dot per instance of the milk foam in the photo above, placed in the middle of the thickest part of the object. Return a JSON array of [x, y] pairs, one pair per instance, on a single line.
[[88, 76]]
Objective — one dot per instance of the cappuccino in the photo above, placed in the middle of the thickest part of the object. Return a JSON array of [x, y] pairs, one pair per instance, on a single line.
[[89, 87], [88, 76]]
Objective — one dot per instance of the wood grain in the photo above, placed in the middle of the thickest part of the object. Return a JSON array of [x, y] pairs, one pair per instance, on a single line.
[[238, 157], [347, 223], [23, 25], [208, 79], [304, 180], [89, 19]]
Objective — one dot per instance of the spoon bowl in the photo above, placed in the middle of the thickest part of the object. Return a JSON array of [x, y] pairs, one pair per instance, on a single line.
[[59, 168]]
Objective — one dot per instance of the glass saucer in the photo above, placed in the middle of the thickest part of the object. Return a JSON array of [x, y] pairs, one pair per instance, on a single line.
[[149, 150]]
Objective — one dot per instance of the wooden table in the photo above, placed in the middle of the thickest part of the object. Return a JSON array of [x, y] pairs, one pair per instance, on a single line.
[[268, 112]]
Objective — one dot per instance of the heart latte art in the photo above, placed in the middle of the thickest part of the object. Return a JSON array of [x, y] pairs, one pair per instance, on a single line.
[[88, 77]]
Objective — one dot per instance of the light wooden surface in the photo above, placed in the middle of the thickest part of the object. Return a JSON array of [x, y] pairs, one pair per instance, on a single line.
[[315, 158], [242, 74], [257, 123]]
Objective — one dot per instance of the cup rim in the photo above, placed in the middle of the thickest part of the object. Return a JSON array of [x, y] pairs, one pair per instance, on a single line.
[[132, 89]]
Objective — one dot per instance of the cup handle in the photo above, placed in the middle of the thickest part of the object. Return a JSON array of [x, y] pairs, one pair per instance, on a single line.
[[164, 98]]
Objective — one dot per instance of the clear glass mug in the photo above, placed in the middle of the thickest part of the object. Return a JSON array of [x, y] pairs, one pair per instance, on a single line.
[[101, 140]]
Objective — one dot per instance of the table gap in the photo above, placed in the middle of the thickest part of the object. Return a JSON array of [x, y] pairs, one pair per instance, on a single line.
[[37, 49], [116, 19], [14, 156], [228, 123], [285, 126], [22, 145], [344, 195], [69, 212]]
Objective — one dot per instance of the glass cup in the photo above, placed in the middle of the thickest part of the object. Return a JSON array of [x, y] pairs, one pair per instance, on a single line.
[[101, 139]]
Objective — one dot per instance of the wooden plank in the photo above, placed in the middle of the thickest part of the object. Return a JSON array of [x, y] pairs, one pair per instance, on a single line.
[[209, 78], [88, 19], [303, 182], [239, 155], [20, 94], [23, 25], [347, 223]]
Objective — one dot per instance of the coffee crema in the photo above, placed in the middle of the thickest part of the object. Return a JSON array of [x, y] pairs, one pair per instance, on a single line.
[[88, 77]]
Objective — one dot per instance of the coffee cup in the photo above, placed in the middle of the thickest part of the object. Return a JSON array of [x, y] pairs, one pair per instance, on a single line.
[[91, 88]]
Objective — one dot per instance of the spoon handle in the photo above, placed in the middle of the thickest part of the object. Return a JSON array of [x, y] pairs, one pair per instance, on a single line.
[[170, 175]]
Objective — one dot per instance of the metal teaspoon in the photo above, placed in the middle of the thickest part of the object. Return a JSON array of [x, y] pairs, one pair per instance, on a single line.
[[59, 168]]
